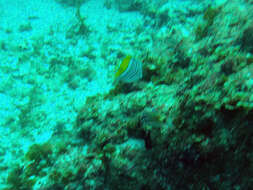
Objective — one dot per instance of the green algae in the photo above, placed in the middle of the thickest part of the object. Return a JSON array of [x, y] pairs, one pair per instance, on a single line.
[[39, 152], [202, 29], [18, 181], [39, 157]]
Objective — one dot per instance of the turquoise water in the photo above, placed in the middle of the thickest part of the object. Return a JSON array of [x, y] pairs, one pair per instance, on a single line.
[[185, 122]]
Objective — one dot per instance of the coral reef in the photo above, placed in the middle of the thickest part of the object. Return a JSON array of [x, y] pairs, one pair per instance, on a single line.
[[186, 124]]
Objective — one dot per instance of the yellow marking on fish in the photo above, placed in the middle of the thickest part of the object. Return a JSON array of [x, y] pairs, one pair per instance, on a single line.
[[130, 70], [123, 66]]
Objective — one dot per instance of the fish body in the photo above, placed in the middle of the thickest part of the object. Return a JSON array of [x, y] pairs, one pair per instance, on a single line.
[[130, 70]]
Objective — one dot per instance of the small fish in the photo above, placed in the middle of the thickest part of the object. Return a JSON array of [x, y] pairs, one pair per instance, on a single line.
[[130, 70]]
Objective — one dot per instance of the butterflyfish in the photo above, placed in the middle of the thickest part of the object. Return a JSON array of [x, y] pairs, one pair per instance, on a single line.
[[130, 70]]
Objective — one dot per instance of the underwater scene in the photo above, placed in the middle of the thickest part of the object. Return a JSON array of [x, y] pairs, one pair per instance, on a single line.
[[126, 94]]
